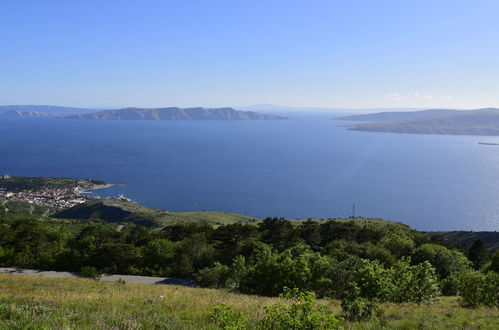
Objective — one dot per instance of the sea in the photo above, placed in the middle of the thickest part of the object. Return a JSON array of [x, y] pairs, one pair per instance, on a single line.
[[308, 167]]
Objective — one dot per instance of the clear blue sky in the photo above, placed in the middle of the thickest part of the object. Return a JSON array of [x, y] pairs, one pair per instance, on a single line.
[[348, 53]]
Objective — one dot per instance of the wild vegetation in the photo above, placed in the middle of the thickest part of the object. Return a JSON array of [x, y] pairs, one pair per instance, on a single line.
[[44, 302], [357, 260]]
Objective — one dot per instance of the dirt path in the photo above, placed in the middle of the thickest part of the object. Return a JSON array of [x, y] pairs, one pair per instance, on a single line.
[[126, 278]]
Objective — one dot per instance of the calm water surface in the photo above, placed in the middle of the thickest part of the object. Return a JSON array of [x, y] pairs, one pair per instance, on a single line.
[[301, 168]]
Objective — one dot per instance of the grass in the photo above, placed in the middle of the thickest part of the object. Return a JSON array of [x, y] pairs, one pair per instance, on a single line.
[[44, 302]]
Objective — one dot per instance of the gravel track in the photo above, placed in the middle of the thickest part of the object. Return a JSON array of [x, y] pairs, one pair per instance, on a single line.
[[126, 278]]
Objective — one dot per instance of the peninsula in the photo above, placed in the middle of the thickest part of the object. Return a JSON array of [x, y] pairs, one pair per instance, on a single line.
[[439, 121]]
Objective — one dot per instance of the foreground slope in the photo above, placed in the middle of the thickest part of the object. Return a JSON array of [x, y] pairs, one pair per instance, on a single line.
[[174, 113], [39, 302]]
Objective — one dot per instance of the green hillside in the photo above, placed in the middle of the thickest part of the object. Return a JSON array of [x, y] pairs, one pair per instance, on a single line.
[[113, 210], [491, 238], [21, 207]]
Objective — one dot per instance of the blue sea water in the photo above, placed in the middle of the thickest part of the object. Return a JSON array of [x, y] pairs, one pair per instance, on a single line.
[[304, 168]]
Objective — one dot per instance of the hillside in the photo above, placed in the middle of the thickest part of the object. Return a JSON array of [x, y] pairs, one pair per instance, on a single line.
[[490, 238], [112, 210], [174, 113], [476, 123]]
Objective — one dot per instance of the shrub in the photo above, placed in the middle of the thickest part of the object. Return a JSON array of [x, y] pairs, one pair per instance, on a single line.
[[90, 272], [371, 279], [216, 276], [228, 318], [450, 285], [424, 283], [356, 308], [301, 314], [413, 283], [268, 272], [477, 289]]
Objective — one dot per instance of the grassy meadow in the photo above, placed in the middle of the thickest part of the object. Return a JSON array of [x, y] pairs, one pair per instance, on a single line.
[[45, 302]]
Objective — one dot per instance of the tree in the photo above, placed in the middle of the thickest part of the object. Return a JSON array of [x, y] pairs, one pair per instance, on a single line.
[[310, 233], [157, 256], [444, 260], [494, 262], [478, 254], [372, 280], [398, 244]]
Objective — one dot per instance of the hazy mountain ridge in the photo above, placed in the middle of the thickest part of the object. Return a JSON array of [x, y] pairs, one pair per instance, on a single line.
[[41, 110], [174, 113], [17, 113]]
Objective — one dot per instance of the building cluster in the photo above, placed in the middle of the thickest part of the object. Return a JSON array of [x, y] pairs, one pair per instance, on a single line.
[[54, 198]]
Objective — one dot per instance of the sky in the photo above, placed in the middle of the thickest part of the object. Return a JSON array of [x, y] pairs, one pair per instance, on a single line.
[[324, 53]]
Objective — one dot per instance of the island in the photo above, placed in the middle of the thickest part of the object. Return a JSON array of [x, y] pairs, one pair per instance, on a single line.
[[448, 122], [174, 113]]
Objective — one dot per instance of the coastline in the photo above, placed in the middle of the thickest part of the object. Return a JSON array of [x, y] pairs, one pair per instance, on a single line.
[[94, 187]]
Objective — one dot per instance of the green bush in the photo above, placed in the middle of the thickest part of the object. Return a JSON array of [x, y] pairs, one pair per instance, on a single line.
[[371, 279], [402, 282], [413, 283], [424, 283], [356, 308], [477, 289], [90, 272], [300, 314], [450, 285], [228, 318], [268, 272], [359, 309], [216, 276]]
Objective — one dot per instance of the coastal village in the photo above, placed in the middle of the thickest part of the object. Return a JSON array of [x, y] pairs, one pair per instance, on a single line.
[[56, 198]]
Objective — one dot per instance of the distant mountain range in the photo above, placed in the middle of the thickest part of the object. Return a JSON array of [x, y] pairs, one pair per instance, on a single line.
[[40, 110], [14, 113], [436, 121], [174, 113], [170, 113]]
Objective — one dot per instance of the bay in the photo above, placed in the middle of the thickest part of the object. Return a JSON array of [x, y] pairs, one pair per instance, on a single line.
[[309, 167]]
